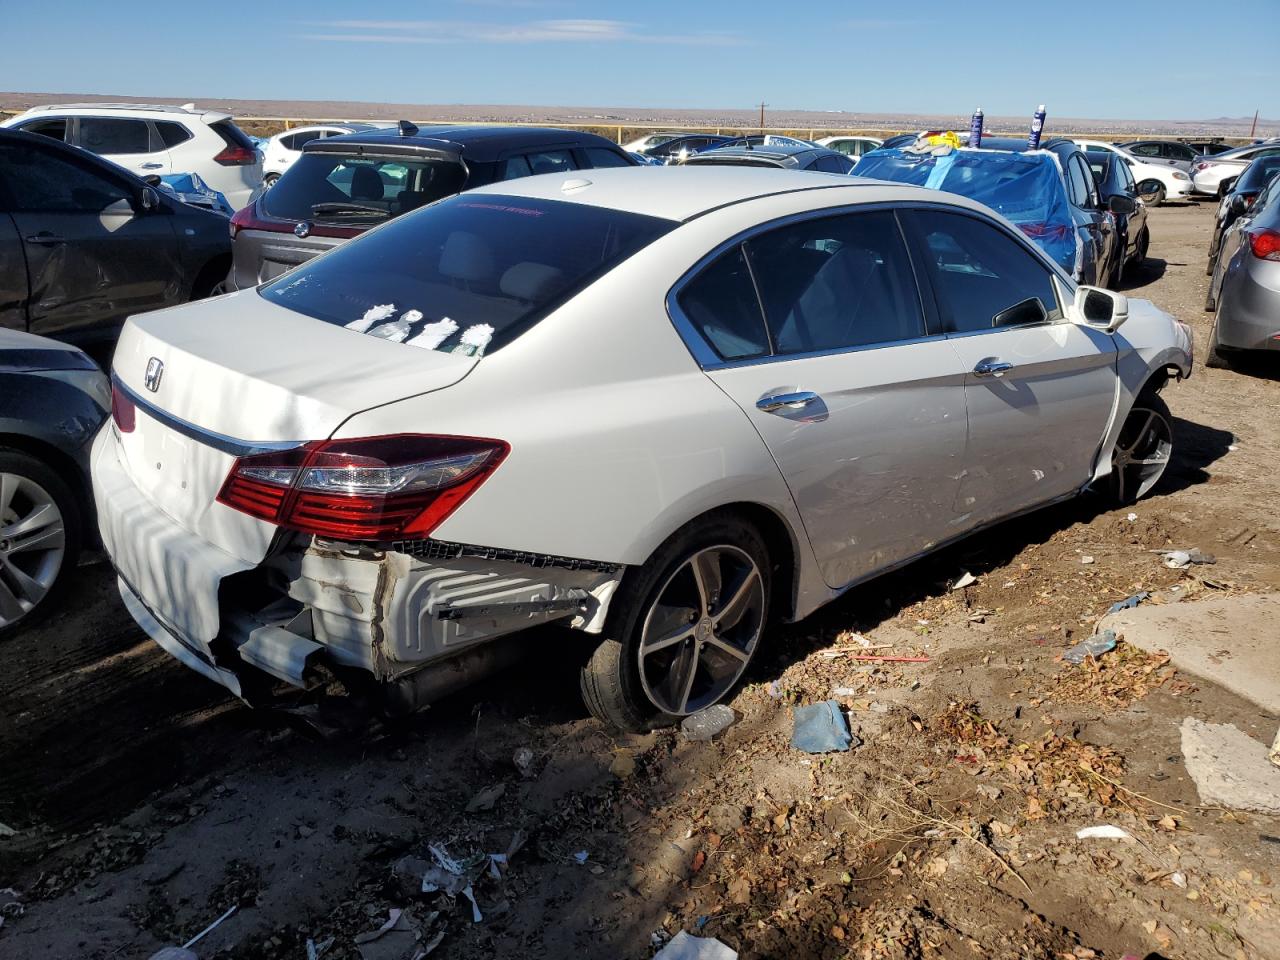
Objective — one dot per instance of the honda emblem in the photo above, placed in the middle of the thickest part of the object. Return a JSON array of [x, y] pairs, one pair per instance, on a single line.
[[155, 370]]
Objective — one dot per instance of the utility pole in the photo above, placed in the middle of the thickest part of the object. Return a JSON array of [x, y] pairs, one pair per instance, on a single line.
[[762, 106], [1254, 129]]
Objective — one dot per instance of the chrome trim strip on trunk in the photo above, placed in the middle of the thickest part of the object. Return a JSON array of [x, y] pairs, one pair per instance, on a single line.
[[210, 438]]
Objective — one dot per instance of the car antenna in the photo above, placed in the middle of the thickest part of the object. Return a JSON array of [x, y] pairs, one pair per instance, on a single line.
[[407, 129]]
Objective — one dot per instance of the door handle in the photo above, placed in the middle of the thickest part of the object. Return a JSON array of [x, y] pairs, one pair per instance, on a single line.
[[786, 401], [46, 239], [152, 166], [991, 367]]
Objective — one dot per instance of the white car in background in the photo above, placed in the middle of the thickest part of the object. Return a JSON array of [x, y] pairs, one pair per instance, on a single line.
[[1156, 182], [570, 399], [150, 139], [1213, 176], [280, 151], [851, 146], [650, 140]]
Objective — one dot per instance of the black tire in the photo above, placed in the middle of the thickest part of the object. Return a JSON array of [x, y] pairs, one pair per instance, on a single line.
[[211, 277], [1144, 244], [37, 472], [269, 180], [1147, 435], [611, 684], [1158, 197], [1215, 355]]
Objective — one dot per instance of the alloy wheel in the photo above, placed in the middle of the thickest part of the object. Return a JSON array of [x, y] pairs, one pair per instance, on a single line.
[[701, 630], [1142, 453], [32, 545]]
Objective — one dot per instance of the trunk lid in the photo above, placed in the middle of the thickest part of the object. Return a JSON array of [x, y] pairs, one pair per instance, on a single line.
[[238, 373]]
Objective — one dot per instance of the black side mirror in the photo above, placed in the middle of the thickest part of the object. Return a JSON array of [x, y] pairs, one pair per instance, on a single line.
[[1121, 205], [149, 199], [1238, 203], [152, 180]]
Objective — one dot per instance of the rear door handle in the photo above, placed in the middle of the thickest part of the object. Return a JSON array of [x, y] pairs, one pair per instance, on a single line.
[[47, 239], [786, 401], [991, 367], [152, 166]]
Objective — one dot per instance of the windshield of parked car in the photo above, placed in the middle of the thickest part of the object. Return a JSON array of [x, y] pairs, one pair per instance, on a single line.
[[359, 190], [468, 275]]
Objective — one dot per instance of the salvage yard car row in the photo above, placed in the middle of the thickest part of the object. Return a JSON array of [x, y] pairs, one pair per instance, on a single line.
[[664, 407]]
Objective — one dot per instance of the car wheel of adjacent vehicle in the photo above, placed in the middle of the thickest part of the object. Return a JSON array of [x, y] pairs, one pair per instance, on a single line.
[[683, 627], [39, 537], [269, 180], [1142, 450], [1144, 244]]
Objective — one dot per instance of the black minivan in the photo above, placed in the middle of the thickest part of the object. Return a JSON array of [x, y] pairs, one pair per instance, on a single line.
[[342, 186]]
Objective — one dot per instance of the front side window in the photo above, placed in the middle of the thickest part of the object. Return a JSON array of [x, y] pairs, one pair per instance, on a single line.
[[550, 161], [1079, 182], [468, 275], [54, 129], [333, 188], [111, 136], [836, 282], [42, 181], [982, 278], [1146, 149], [721, 303]]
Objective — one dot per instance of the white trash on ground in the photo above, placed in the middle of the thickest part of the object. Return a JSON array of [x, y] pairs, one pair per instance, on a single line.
[[684, 946]]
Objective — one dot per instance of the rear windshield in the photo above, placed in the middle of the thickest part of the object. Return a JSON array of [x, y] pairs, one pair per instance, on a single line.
[[1258, 174], [333, 188], [466, 276], [231, 135]]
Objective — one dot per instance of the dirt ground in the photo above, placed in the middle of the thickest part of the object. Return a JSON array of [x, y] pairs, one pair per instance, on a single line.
[[146, 803]]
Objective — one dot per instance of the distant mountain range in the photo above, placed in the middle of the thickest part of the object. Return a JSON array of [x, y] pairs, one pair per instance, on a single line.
[[792, 119]]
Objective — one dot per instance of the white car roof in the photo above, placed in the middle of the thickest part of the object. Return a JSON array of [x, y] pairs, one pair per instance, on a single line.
[[76, 109], [681, 193]]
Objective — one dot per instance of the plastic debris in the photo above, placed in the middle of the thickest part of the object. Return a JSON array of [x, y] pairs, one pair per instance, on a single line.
[[1132, 517], [485, 799], [966, 579], [1129, 602], [582, 856], [706, 724], [394, 940], [845, 691], [11, 904], [174, 953], [1181, 559], [210, 928], [1086, 559], [7, 831], [524, 761], [1179, 880], [685, 946], [1104, 832], [820, 728], [317, 950], [1095, 647]]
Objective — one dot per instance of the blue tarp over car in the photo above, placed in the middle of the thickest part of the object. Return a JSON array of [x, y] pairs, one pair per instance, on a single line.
[[1025, 188], [189, 188]]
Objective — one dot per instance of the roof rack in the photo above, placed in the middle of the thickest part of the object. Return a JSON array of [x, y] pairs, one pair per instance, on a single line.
[[152, 107]]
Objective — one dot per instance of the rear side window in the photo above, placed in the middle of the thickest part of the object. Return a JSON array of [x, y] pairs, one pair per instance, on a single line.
[[296, 141], [830, 164], [600, 157], [982, 279], [721, 303], [468, 275], [172, 134], [54, 129], [835, 283], [110, 136], [1146, 150], [359, 191]]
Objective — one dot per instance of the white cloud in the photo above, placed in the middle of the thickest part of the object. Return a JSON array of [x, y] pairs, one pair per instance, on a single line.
[[534, 31]]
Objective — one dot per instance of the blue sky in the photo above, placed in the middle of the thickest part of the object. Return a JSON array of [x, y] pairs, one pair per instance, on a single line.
[[1141, 60]]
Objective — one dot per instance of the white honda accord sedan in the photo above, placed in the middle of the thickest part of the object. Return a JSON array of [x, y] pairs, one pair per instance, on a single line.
[[664, 406]]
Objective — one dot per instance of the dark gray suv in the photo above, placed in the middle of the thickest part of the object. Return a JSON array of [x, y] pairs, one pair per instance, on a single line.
[[343, 186]]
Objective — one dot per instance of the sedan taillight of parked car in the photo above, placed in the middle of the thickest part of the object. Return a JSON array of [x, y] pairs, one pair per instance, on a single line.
[[378, 488], [1265, 244]]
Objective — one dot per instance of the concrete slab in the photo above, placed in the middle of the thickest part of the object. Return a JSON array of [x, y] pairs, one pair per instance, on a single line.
[[1233, 640], [1230, 768]]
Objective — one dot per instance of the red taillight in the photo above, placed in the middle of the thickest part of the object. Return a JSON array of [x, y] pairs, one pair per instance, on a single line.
[[376, 488], [123, 410], [1265, 244], [234, 156], [247, 218], [1203, 165]]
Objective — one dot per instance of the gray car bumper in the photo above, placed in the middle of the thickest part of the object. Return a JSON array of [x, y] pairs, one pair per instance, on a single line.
[[1249, 305]]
